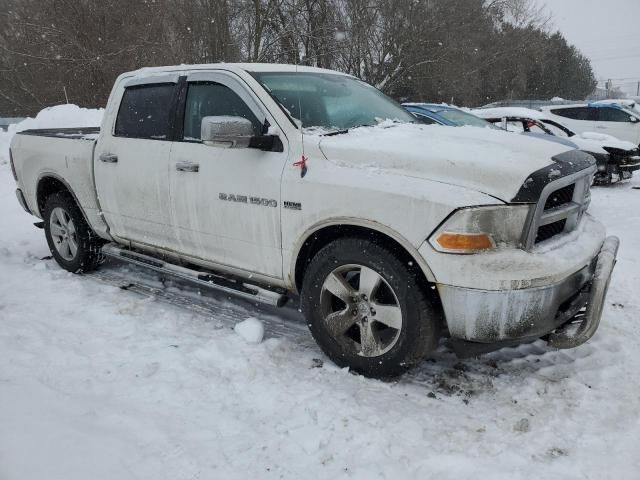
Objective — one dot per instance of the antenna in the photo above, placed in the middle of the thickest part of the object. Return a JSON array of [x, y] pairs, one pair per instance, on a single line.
[[302, 163]]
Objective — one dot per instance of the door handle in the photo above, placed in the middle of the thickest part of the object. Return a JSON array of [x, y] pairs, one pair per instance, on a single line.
[[187, 167], [601, 127], [108, 158]]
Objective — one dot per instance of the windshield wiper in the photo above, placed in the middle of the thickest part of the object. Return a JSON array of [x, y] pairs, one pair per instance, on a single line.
[[336, 132], [346, 130]]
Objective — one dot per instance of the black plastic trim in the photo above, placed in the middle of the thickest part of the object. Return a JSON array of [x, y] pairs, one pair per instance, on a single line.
[[69, 133], [179, 106], [565, 164]]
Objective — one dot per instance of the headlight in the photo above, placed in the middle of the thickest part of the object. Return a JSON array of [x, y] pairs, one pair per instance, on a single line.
[[478, 229]]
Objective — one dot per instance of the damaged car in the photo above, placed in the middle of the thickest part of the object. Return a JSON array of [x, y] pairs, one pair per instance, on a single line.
[[616, 159]]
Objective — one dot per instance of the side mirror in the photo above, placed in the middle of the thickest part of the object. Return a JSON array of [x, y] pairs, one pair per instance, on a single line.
[[227, 132]]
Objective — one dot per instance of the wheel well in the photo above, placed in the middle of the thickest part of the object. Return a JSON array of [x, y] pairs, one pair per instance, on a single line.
[[47, 186], [320, 238]]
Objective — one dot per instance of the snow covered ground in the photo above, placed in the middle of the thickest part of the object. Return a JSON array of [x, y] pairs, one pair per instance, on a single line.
[[100, 382]]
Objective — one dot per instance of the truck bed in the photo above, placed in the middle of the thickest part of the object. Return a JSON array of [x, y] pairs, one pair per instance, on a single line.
[[49, 153], [78, 133]]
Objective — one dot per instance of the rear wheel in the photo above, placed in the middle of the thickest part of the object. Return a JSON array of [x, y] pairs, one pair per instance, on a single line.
[[367, 309], [71, 241]]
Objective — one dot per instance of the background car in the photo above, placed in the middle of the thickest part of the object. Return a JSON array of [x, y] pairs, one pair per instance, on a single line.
[[617, 159], [614, 119], [441, 114]]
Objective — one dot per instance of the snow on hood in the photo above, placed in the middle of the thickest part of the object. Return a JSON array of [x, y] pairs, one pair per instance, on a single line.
[[489, 161], [602, 140]]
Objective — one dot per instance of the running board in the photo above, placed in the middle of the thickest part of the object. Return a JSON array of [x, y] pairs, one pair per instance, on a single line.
[[204, 279]]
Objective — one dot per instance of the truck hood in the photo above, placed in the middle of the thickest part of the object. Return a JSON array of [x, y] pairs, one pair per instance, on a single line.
[[486, 160]]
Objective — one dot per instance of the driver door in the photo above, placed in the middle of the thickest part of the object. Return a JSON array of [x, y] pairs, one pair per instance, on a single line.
[[225, 202]]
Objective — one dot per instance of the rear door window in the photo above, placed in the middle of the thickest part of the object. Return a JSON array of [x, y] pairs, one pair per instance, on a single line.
[[575, 113], [607, 114], [145, 112]]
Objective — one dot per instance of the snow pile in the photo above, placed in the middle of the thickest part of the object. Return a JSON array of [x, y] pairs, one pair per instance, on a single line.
[[60, 116], [251, 330]]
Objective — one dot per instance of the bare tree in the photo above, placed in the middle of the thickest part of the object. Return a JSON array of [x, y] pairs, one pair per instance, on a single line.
[[467, 51]]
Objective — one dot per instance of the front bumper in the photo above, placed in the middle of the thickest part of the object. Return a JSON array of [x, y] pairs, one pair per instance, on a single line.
[[499, 316], [580, 328], [630, 167]]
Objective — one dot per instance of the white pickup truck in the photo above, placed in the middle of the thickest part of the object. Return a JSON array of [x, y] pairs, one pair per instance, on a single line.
[[271, 181]]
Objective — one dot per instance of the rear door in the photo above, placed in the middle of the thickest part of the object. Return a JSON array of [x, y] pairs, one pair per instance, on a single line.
[[225, 202], [617, 122], [579, 119], [132, 162]]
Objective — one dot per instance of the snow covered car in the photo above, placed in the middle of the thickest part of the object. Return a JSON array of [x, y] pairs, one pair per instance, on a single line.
[[441, 114], [267, 181], [446, 115], [614, 119], [616, 159]]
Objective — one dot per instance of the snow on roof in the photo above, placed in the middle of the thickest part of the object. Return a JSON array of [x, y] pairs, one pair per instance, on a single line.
[[502, 112], [248, 67], [616, 102]]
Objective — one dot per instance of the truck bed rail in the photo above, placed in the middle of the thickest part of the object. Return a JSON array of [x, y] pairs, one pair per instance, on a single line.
[[88, 133]]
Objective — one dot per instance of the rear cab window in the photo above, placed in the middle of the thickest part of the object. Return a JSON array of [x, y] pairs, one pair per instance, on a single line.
[[145, 112]]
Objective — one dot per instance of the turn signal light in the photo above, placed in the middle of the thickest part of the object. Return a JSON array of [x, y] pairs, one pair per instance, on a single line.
[[465, 242]]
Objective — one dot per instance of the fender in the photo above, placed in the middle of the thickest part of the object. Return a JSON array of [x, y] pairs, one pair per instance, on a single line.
[[356, 222], [50, 174]]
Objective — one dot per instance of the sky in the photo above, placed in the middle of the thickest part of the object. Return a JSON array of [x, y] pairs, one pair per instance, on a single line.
[[606, 31]]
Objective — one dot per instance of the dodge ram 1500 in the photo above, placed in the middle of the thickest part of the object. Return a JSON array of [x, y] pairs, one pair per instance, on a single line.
[[271, 181]]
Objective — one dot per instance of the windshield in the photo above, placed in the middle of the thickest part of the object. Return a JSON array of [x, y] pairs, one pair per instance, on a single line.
[[331, 101], [465, 119]]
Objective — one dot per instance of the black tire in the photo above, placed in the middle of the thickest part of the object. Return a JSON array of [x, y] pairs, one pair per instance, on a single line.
[[421, 318], [87, 256]]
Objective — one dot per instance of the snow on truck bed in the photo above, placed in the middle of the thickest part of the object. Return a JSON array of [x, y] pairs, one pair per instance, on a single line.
[[98, 382]]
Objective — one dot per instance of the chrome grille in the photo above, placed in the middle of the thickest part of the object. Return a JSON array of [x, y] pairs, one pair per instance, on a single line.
[[560, 197], [560, 207]]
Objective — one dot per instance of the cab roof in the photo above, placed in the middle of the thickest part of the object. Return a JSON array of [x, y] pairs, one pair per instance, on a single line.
[[246, 67]]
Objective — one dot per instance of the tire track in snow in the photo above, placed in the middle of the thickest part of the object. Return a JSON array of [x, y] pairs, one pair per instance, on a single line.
[[444, 374]]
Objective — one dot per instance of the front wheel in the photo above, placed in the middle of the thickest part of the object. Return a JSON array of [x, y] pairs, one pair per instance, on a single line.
[[73, 244], [367, 309]]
